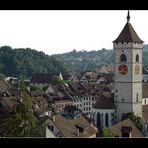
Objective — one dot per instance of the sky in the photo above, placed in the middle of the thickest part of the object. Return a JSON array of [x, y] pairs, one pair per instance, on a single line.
[[60, 31]]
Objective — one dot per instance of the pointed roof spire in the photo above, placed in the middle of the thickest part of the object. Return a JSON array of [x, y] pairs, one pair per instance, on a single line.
[[128, 16], [128, 34]]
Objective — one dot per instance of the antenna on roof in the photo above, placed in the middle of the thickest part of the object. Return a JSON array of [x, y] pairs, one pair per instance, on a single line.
[[128, 16]]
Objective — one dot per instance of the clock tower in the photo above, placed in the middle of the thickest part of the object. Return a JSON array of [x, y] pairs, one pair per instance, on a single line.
[[128, 72]]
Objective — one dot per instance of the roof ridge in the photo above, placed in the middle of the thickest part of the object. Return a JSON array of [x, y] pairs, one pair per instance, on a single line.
[[120, 122]]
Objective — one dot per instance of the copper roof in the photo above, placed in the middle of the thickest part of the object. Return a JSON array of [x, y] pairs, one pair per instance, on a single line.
[[128, 34]]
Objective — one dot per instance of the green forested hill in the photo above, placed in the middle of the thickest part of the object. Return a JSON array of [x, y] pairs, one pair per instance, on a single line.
[[22, 63], [81, 60], [89, 60]]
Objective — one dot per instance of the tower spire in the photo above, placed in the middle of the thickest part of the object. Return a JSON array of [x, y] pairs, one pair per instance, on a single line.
[[128, 16]]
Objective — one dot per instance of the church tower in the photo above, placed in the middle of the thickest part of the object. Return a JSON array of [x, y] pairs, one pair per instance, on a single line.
[[128, 72]]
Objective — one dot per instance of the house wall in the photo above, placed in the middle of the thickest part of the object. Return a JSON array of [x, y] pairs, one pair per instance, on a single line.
[[49, 134], [40, 85], [84, 103], [92, 136], [144, 101], [55, 131], [61, 105]]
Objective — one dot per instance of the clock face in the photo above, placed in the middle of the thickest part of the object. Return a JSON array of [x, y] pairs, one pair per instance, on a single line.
[[123, 69], [137, 69]]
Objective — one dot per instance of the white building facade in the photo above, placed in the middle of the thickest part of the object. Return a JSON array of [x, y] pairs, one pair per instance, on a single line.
[[85, 103], [103, 118]]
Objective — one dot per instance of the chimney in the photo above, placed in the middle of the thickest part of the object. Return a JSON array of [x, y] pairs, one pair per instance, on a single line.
[[130, 135]]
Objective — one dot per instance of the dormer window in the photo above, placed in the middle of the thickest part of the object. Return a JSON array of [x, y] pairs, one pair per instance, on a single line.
[[123, 58], [126, 131]]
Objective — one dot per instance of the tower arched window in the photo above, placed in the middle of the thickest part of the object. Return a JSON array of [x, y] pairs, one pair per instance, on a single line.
[[99, 120], [136, 97], [106, 119], [137, 58], [123, 58]]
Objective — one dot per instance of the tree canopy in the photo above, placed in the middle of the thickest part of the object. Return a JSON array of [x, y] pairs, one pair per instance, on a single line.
[[22, 63], [135, 119], [23, 123]]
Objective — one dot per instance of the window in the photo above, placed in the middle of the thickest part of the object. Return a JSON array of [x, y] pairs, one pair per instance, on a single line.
[[51, 127], [145, 101], [98, 120], [123, 58], [137, 58], [106, 119], [136, 97]]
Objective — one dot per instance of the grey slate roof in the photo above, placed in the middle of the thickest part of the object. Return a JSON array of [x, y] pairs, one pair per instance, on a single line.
[[40, 78], [104, 102], [128, 34], [68, 127]]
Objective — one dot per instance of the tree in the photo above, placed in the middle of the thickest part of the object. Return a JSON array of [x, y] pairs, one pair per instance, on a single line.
[[23, 123], [45, 87], [135, 119], [108, 133], [34, 88], [2, 76], [56, 80], [22, 63]]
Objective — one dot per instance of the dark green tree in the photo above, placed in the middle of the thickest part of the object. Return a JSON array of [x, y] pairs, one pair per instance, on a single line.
[[56, 80], [23, 123], [34, 88], [108, 133], [135, 119]]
